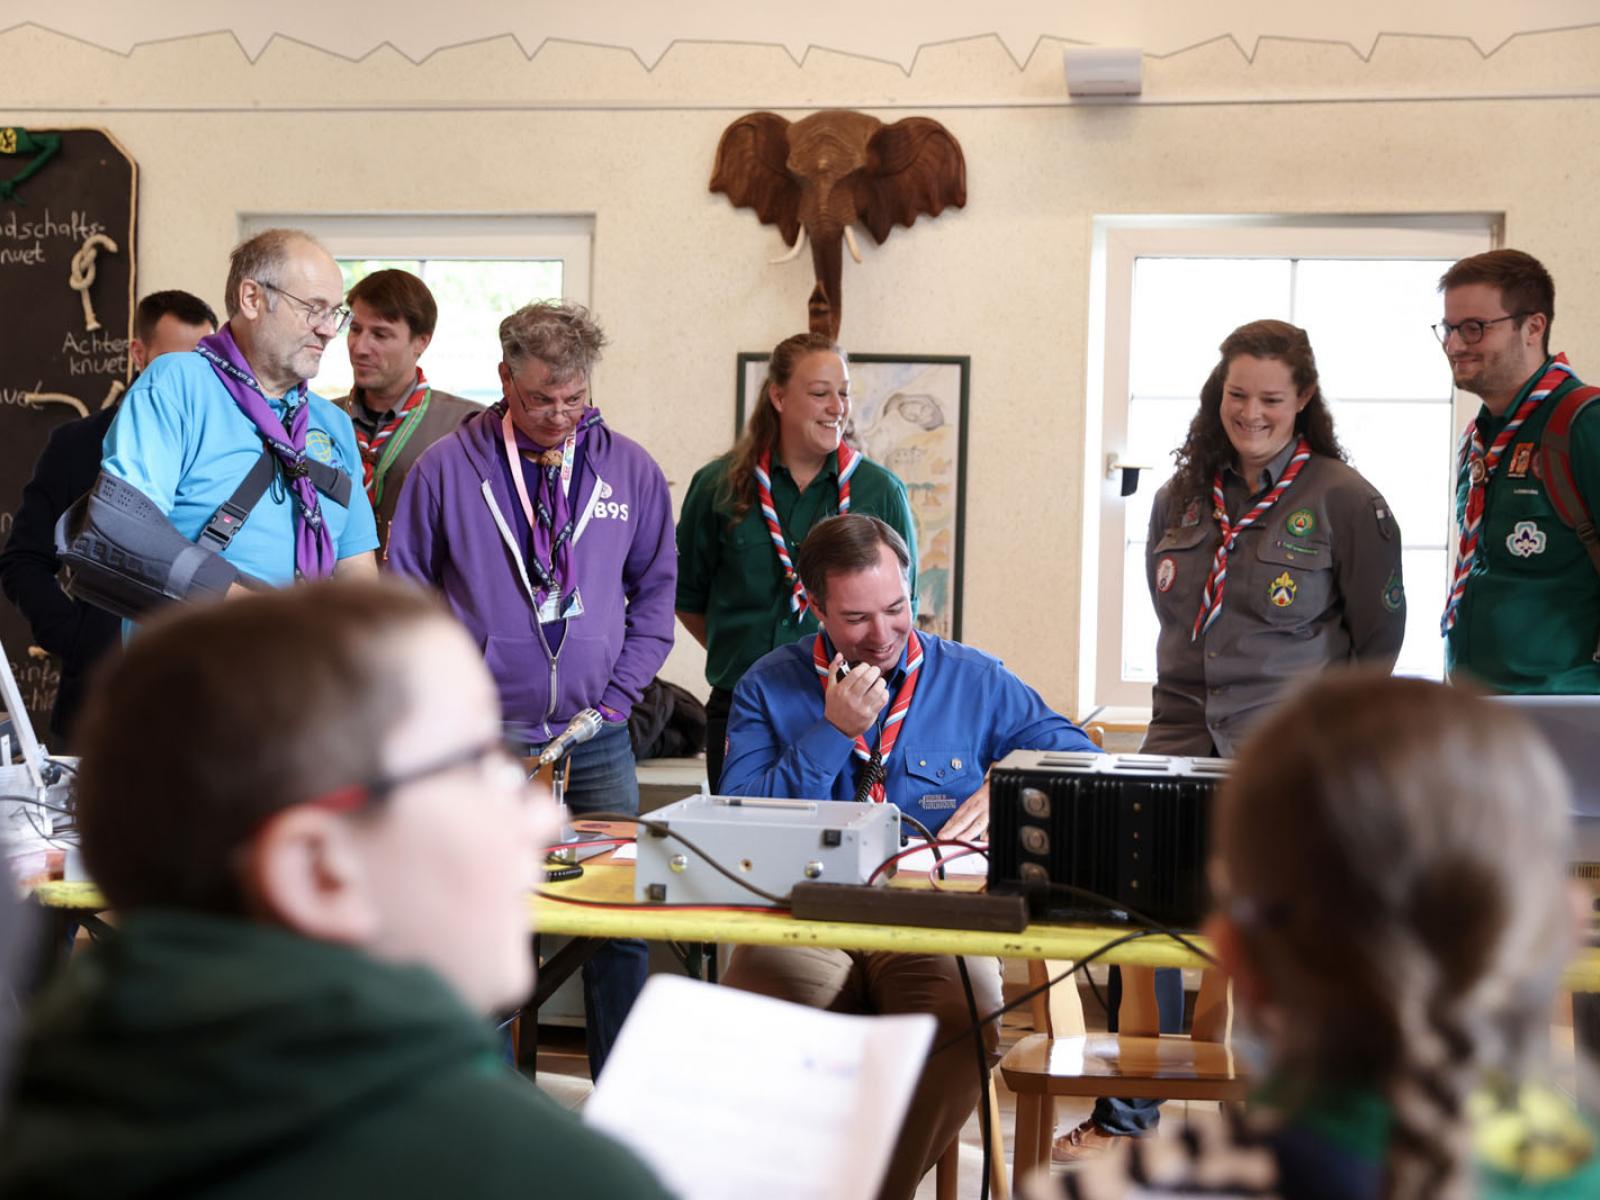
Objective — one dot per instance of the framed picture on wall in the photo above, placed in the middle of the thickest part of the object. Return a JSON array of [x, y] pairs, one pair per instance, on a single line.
[[908, 412]]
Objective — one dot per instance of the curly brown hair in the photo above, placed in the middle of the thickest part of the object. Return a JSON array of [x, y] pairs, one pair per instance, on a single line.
[[1207, 447]]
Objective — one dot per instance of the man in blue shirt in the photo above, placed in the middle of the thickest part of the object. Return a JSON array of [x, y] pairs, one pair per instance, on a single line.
[[869, 709], [193, 425]]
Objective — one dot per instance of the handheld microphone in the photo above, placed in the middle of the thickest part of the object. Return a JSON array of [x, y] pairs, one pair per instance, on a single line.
[[580, 729]]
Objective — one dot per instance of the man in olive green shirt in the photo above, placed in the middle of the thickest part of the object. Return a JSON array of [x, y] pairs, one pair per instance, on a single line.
[[1524, 611]]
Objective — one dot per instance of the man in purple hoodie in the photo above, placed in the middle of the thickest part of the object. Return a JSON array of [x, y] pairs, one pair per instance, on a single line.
[[551, 538]]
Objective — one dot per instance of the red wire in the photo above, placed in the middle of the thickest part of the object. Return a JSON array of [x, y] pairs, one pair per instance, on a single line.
[[968, 852], [979, 847]]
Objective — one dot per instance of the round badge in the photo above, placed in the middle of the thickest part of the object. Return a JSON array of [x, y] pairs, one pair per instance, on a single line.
[[1166, 572], [1300, 522], [1477, 472]]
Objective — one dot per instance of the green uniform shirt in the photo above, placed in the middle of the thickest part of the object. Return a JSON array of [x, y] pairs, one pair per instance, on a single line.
[[730, 571], [1530, 617]]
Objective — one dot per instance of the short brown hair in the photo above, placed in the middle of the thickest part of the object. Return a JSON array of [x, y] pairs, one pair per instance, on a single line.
[[1393, 856], [398, 296], [262, 257], [563, 336], [188, 308], [845, 544], [219, 716], [1524, 284]]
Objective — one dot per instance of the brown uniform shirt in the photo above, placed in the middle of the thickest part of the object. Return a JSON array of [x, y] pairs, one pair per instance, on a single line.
[[1314, 582], [446, 414]]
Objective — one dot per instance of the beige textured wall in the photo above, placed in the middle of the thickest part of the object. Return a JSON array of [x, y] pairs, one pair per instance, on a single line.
[[680, 277]]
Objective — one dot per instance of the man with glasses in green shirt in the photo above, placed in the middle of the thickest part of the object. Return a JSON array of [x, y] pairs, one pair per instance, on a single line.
[[747, 512], [1523, 612]]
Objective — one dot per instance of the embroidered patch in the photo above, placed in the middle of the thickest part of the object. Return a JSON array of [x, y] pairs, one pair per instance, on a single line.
[[1191, 515], [1282, 590], [1166, 572], [932, 803], [1521, 459], [319, 445], [1300, 522], [1526, 539], [1394, 593]]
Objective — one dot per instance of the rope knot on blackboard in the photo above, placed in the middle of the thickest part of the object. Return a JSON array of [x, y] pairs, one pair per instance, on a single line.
[[83, 274]]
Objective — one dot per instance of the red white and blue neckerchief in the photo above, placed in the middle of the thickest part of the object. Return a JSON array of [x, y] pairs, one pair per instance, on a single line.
[[875, 759], [1480, 467], [375, 460], [849, 460], [1211, 598]]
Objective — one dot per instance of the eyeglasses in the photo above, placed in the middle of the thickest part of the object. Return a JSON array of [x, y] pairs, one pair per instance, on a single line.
[[1471, 330], [315, 314], [545, 403], [499, 759]]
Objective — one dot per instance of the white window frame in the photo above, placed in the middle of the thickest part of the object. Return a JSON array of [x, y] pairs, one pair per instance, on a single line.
[[1117, 242], [508, 236]]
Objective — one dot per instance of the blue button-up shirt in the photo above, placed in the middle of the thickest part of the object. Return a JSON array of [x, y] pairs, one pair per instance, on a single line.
[[968, 712]]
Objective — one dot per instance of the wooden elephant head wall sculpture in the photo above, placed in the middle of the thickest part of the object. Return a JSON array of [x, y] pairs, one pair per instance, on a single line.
[[818, 176]]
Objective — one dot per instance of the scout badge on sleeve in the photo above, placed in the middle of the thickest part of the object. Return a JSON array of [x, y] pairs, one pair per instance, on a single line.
[[1166, 572]]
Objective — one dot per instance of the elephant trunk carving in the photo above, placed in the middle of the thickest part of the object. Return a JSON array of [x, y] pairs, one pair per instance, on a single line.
[[831, 170]]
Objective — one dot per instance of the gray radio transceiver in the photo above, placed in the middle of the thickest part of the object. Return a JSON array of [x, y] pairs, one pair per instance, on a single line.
[[774, 844]]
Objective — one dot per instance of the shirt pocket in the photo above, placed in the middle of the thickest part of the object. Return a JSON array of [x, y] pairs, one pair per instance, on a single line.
[[1292, 583], [940, 778], [1179, 563]]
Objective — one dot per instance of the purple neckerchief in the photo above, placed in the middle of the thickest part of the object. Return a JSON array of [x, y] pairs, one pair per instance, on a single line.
[[553, 508], [313, 544]]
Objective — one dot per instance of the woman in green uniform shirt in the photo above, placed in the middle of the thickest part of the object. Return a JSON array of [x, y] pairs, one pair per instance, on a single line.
[[747, 512]]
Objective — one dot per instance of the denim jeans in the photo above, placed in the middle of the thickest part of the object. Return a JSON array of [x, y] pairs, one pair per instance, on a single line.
[[1134, 1117], [604, 779]]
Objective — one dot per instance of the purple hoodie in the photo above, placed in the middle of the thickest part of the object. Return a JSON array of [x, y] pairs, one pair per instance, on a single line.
[[456, 528]]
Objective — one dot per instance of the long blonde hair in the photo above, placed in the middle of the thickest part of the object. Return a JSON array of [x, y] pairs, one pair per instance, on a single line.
[[1392, 853], [761, 427]]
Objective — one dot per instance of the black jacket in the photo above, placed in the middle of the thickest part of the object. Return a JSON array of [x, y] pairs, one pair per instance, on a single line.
[[78, 634]]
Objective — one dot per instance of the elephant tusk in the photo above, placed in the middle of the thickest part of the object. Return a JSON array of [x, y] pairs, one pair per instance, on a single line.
[[799, 245], [850, 240]]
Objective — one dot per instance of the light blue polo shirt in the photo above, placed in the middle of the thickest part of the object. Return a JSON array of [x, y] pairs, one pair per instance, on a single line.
[[181, 440]]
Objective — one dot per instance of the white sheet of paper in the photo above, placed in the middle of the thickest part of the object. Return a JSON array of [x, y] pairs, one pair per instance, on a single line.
[[729, 1095], [628, 853], [967, 864]]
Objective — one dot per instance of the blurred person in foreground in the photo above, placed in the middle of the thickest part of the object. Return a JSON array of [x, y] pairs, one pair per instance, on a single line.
[[312, 924], [1393, 906]]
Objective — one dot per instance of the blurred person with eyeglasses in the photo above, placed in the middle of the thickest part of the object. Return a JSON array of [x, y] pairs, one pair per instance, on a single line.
[[550, 536], [1523, 611], [313, 926], [193, 426]]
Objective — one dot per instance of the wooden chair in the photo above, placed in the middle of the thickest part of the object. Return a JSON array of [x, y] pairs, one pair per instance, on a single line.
[[1138, 1062], [948, 1169]]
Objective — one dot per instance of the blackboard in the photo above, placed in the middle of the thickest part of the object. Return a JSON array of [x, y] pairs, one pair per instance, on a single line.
[[59, 188]]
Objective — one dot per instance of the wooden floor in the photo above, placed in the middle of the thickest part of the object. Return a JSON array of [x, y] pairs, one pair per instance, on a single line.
[[563, 1074]]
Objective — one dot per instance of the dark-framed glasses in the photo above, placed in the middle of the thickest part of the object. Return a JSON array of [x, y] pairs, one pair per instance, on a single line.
[[1471, 330], [498, 760], [315, 314]]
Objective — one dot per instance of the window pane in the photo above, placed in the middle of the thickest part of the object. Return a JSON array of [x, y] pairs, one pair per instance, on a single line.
[[1404, 450], [1368, 321], [1156, 427], [1184, 307], [1139, 625], [473, 296], [1423, 652]]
